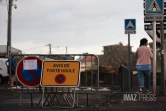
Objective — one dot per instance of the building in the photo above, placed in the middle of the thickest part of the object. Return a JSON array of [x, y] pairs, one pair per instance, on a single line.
[[114, 55], [3, 51], [88, 62], [110, 47]]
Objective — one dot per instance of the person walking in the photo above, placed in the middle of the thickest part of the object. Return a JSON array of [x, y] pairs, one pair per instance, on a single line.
[[143, 64], [11, 62]]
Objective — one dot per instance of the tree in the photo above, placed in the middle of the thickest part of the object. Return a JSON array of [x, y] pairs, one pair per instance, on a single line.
[[115, 54]]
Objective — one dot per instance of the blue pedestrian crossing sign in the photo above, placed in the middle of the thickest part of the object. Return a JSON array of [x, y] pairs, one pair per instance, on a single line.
[[154, 7], [130, 26]]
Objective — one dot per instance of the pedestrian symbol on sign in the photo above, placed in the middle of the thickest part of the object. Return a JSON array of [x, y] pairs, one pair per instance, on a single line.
[[154, 6]]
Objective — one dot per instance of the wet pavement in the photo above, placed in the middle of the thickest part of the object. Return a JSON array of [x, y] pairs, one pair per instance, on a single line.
[[100, 101]]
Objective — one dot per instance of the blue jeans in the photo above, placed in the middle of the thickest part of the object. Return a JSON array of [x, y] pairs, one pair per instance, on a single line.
[[141, 74]]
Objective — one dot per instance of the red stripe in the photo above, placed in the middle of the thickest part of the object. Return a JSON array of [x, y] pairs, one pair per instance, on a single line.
[[19, 73]]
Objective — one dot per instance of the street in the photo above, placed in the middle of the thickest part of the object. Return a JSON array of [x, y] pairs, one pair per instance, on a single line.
[[99, 101]]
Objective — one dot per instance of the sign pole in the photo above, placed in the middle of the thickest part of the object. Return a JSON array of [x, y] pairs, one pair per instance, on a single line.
[[154, 57], [164, 63], [162, 59], [154, 10], [130, 28], [129, 76]]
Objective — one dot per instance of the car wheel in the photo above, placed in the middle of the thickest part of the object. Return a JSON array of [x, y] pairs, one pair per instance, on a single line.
[[1, 80]]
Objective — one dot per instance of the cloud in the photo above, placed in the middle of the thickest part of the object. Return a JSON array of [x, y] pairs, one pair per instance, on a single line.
[[82, 25]]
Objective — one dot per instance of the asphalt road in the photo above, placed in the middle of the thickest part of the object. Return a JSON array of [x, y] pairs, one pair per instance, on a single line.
[[102, 101]]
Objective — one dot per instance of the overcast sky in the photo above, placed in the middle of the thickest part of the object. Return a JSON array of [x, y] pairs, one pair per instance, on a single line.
[[81, 25]]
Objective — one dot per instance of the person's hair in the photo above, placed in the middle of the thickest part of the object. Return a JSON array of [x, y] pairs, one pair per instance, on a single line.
[[143, 41]]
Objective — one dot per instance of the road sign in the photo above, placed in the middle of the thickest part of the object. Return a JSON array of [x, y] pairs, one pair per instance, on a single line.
[[153, 18], [28, 71], [164, 20], [60, 73], [154, 7], [163, 14], [154, 10], [130, 26], [150, 27], [164, 4]]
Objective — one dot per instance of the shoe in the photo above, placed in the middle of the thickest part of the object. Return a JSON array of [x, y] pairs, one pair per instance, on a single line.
[[141, 89], [148, 91]]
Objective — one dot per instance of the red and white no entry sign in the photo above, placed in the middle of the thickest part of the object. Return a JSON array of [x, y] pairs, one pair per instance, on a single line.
[[28, 71]]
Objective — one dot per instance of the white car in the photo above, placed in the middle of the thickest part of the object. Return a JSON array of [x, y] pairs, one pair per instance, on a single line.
[[4, 76]]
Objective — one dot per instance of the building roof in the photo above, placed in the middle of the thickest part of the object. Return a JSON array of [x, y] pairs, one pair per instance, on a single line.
[[116, 45], [3, 49], [125, 47], [89, 58]]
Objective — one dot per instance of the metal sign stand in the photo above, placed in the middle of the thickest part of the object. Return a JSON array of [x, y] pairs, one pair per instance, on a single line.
[[154, 11], [61, 99]]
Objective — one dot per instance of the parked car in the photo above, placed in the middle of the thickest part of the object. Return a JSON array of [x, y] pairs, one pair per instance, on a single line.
[[4, 76]]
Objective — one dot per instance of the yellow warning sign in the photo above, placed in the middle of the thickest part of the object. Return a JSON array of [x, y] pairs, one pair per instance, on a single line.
[[60, 73]]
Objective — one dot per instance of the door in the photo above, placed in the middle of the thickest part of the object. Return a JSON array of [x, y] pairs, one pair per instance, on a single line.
[[1, 68]]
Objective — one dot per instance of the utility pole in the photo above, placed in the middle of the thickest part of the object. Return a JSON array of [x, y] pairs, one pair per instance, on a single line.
[[9, 28], [49, 48], [66, 49]]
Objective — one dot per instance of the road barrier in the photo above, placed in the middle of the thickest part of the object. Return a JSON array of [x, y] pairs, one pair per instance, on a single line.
[[64, 88]]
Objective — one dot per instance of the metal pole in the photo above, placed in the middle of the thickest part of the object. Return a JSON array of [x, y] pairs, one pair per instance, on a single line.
[[129, 75], [20, 99], [154, 57], [49, 48], [164, 62], [98, 77], [9, 28], [162, 59], [31, 100], [66, 49]]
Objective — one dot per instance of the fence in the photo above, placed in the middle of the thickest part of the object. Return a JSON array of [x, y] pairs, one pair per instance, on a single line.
[[60, 96], [125, 80]]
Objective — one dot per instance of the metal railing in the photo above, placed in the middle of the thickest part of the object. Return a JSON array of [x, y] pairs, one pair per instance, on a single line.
[[125, 80], [89, 81]]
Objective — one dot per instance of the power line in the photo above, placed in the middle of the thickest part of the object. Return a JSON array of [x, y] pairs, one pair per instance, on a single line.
[[34, 47], [55, 46], [62, 48]]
